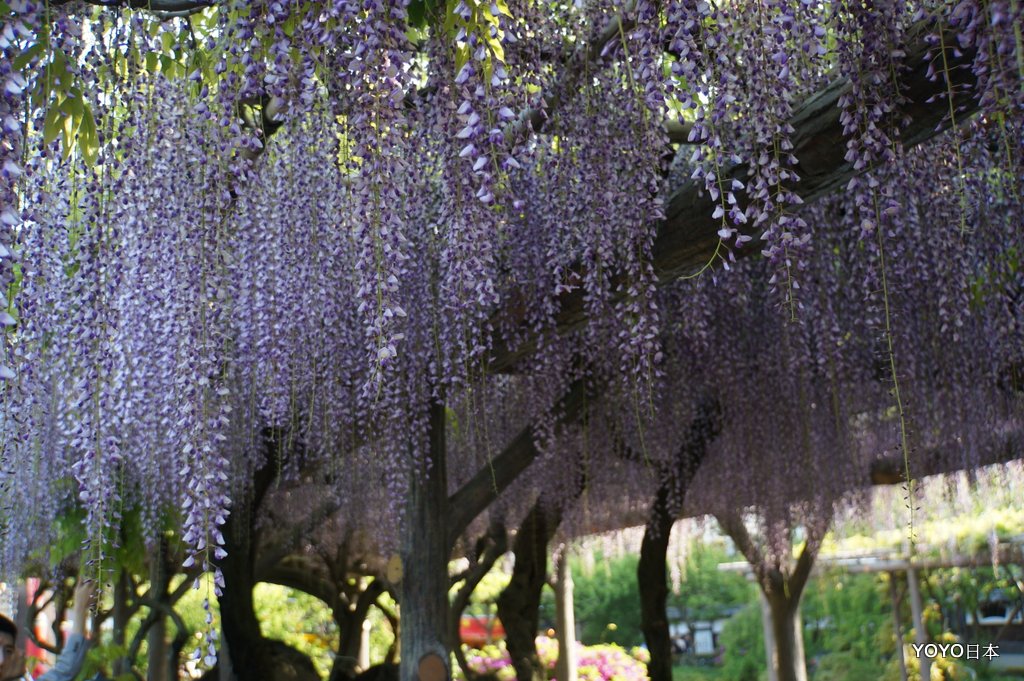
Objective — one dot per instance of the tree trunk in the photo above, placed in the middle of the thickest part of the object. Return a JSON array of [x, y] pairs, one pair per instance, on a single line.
[[651, 572], [565, 621], [247, 650], [157, 653], [351, 625], [769, 636], [156, 639], [519, 603], [652, 578], [425, 551], [788, 656], [121, 615]]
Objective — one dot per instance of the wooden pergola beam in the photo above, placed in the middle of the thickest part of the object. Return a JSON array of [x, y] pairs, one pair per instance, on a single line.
[[1007, 553], [688, 237]]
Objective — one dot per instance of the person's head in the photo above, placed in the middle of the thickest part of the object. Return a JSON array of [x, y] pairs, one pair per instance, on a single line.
[[8, 637]]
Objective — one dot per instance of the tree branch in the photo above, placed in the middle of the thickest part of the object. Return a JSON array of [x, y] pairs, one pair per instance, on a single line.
[[269, 558], [533, 119], [497, 543], [492, 479], [733, 526], [156, 608], [802, 570], [302, 580]]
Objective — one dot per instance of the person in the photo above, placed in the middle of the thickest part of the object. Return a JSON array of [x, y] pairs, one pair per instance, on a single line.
[[12, 660]]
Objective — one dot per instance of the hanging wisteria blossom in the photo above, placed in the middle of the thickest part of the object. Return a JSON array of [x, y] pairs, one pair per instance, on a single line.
[[321, 225]]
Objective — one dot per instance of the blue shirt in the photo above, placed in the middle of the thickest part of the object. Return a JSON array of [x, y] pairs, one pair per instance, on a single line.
[[70, 661]]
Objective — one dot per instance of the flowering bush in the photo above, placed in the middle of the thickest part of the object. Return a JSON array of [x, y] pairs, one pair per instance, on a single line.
[[606, 662], [492, 659]]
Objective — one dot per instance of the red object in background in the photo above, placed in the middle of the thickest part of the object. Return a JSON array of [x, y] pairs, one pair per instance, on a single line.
[[479, 631], [31, 649]]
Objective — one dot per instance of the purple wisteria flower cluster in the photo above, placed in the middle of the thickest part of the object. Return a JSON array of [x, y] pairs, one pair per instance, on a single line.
[[284, 231]]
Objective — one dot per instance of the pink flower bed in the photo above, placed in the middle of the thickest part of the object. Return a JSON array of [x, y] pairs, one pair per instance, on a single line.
[[604, 662]]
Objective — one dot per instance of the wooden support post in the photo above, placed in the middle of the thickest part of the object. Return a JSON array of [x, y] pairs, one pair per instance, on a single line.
[[21, 615], [363, 658], [565, 620], [917, 612], [897, 626]]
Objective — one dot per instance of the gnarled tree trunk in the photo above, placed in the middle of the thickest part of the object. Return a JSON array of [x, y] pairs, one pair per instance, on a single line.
[[490, 548], [783, 588], [425, 551], [787, 630], [246, 646], [652, 576], [519, 603], [248, 652], [652, 579]]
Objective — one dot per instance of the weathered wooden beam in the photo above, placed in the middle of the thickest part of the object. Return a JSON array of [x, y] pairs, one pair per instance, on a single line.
[[1005, 553], [928, 461], [688, 237]]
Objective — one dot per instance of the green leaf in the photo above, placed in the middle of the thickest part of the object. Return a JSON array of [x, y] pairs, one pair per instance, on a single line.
[[167, 65], [88, 140], [461, 57], [120, 65], [68, 138], [488, 68], [56, 70], [489, 17], [73, 110], [289, 26], [496, 50], [152, 62], [52, 125], [27, 55], [450, 18], [207, 21], [417, 11]]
